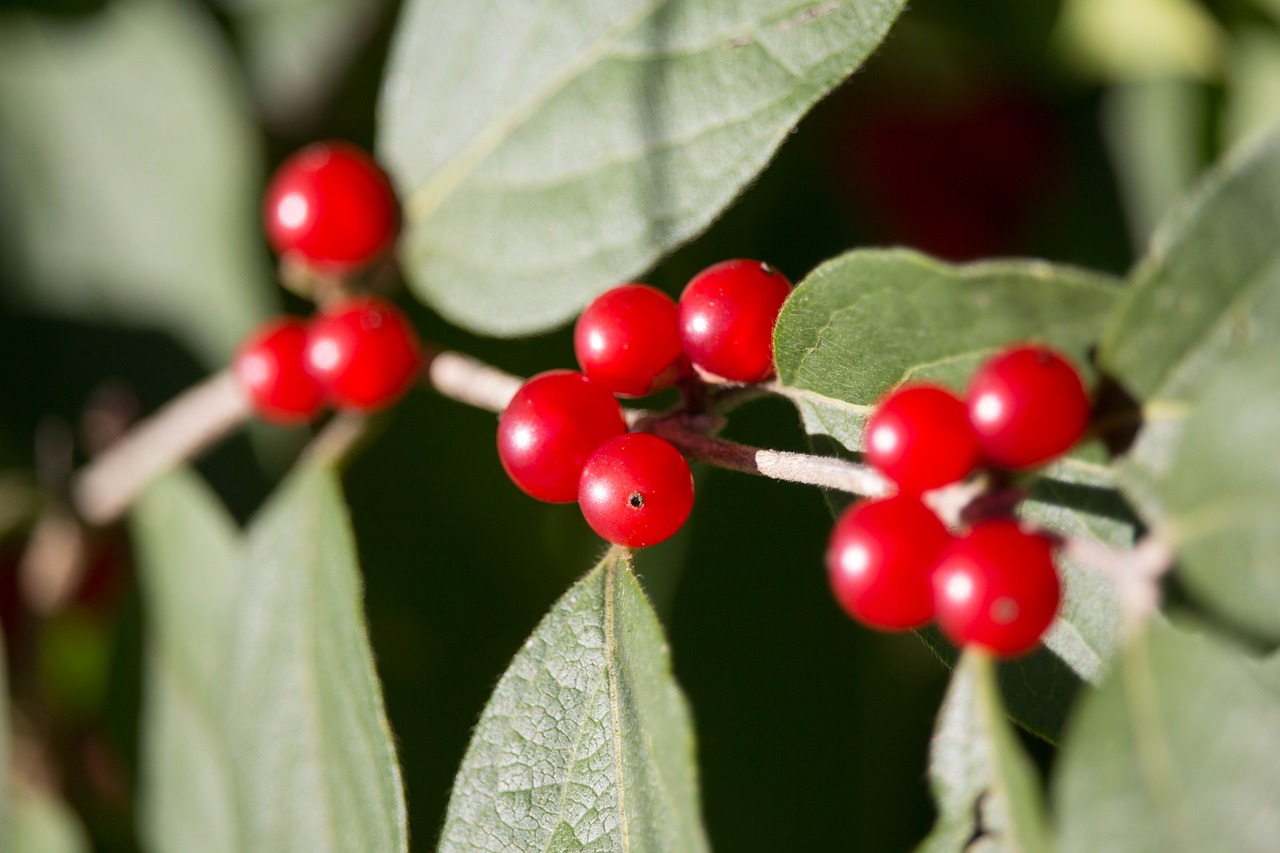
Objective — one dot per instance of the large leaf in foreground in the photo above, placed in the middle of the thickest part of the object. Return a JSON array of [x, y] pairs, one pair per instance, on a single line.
[[586, 742], [870, 320], [1209, 285], [547, 150], [129, 174], [315, 766], [1195, 342], [188, 557], [1222, 492], [985, 786], [1172, 753]]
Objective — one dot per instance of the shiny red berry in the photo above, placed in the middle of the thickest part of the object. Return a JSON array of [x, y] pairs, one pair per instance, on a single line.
[[880, 561], [636, 490], [727, 314], [997, 588], [551, 426], [271, 371], [1027, 406], [330, 206], [919, 437], [627, 341], [363, 351]]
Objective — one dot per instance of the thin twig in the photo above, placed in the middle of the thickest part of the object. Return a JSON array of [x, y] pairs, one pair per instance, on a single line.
[[187, 425], [470, 381], [826, 472]]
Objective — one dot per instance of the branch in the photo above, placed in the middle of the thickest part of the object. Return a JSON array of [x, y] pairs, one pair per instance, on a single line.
[[185, 427]]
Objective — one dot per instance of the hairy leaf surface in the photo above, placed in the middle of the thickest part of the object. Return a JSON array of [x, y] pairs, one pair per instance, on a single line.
[[549, 150], [315, 766], [1169, 755], [586, 743], [984, 784]]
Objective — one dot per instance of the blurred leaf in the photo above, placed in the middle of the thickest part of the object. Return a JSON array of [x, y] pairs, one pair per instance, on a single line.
[[40, 823], [548, 150], [297, 50], [1140, 39], [188, 549], [129, 174], [1208, 283], [1252, 87], [315, 765], [1153, 133], [1195, 338], [586, 742], [869, 320], [1222, 492], [986, 788], [1171, 754]]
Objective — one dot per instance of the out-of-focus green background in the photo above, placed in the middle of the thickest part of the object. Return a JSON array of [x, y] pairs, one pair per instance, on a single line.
[[1055, 130]]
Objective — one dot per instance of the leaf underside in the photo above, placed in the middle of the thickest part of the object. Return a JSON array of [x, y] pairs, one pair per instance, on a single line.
[[586, 743]]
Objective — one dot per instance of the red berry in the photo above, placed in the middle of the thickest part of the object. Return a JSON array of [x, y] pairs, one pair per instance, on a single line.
[[551, 426], [919, 437], [270, 368], [727, 315], [1027, 406], [628, 341], [364, 352], [636, 490], [880, 561], [330, 206], [997, 588]]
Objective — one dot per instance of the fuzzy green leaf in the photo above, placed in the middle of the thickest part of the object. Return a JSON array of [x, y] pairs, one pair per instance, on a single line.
[[1222, 492], [871, 319], [979, 772], [129, 179], [548, 150], [586, 743], [315, 766], [188, 557], [1195, 338], [1171, 754]]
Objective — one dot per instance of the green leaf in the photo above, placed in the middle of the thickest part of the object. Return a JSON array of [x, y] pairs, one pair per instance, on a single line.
[[586, 742], [188, 550], [1252, 106], [41, 823], [1193, 339], [1171, 754], [129, 174], [1222, 492], [315, 766], [866, 321], [986, 789], [547, 157], [1210, 282], [1180, 38]]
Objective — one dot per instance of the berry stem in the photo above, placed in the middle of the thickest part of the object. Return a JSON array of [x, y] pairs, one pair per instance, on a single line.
[[182, 429], [826, 472]]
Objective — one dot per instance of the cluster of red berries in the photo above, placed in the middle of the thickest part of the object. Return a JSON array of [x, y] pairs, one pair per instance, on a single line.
[[563, 437], [330, 209], [894, 565]]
